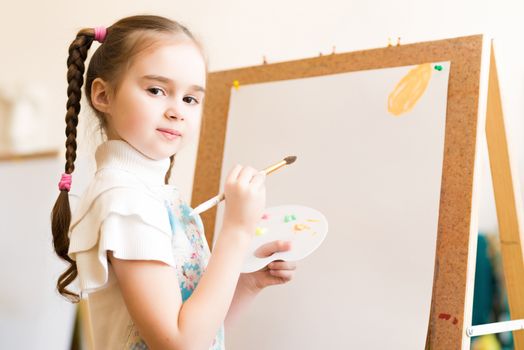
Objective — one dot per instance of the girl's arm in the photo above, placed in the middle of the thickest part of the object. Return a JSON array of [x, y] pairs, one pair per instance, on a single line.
[[242, 298], [151, 292], [152, 296]]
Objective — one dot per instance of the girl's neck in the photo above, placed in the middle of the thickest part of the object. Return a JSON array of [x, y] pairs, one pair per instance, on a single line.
[[119, 154]]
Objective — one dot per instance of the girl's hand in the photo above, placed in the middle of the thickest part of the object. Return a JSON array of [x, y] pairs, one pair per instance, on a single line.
[[245, 193], [276, 272], [250, 284]]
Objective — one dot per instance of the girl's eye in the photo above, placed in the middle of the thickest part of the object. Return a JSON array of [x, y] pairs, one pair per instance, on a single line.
[[188, 99], [155, 91]]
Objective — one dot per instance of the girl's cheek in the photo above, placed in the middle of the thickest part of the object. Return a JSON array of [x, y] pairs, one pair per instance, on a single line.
[[135, 123], [194, 127]]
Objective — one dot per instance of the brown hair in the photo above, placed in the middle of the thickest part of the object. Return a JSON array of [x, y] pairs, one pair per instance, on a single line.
[[124, 40]]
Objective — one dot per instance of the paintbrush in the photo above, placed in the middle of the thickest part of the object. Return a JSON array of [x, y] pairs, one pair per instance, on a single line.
[[210, 203]]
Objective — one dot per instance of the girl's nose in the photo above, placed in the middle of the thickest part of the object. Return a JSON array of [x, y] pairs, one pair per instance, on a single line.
[[172, 113]]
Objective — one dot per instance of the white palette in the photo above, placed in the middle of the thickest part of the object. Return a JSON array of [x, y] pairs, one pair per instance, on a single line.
[[305, 227]]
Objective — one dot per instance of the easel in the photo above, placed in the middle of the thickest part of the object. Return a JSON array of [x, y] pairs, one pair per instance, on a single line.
[[509, 211], [469, 98]]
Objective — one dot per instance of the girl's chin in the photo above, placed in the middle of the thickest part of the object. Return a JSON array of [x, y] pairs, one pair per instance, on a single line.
[[159, 154], [168, 153]]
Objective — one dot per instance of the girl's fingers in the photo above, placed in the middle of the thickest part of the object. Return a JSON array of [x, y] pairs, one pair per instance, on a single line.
[[285, 275], [282, 265], [270, 248], [233, 175], [246, 174], [259, 179]]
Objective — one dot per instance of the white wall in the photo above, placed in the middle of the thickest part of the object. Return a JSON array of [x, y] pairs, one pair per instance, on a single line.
[[34, 38], [32, 315]]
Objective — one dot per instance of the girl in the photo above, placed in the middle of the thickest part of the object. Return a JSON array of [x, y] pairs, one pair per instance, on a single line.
[[144, 261]]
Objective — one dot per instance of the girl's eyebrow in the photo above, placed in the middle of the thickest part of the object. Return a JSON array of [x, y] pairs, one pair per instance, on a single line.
[[169, 81]]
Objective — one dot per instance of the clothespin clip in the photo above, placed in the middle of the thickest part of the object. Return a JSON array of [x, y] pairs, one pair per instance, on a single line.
[[236, 84], [333, 52], [398, 41], [264, 60], [319, 54], [389, 42]]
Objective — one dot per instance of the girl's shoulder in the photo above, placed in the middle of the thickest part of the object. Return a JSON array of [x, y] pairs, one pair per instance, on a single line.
[[116, 193]]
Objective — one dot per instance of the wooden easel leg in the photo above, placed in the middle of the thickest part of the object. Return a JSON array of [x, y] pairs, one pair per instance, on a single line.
[[507, 200]]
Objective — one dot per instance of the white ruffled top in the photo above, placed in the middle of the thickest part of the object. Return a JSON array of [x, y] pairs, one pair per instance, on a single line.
[[127, 184]]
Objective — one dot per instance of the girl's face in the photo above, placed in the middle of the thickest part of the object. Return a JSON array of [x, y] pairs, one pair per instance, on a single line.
[[158, 105]]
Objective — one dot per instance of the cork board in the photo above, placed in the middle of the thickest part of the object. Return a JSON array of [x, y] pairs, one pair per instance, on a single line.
[[450, 308]]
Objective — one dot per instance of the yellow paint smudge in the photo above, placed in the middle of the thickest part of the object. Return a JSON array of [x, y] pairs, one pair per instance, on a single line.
[[300, 227], [409, 90]]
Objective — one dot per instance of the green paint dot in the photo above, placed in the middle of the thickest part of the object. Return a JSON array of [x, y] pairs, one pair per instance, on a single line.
[[438, 67], [289, 218]]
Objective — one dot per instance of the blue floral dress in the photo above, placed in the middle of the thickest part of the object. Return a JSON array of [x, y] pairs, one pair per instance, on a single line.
[[191, 254]]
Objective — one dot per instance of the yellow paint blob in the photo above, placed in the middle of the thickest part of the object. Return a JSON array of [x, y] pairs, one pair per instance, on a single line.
[[260, 231], [409, 90]]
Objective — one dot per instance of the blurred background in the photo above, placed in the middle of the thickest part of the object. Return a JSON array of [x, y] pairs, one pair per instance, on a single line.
[[34, 38]]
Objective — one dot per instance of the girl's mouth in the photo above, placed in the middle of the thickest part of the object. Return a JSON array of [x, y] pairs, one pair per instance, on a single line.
[[170, 134]]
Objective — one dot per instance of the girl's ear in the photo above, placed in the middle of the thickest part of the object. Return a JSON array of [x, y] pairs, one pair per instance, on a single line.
[[100, 95]]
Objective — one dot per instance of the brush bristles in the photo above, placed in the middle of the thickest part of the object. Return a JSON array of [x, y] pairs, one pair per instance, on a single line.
[[290, 159]]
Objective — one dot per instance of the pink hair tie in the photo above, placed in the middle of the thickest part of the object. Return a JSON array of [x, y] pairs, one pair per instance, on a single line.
[[100, 34], [65, 182]]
